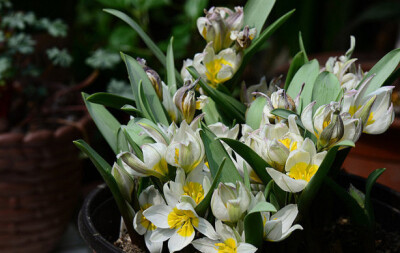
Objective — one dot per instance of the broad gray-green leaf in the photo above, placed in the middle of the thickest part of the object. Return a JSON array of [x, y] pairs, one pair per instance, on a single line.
[[105, 171], [256, 13], [211, 115], [171, 67], [149, 43], [251, 157], [146, 39], [255, 112], [202, 207], [136, 73], [326, 89], [215, 154], [110, 100], [382, 70], [307, 75], [297, 62], [284, 113], [132, 110], [105, 122]]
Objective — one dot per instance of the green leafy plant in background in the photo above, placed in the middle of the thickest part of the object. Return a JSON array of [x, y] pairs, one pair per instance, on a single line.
[[182, 162]]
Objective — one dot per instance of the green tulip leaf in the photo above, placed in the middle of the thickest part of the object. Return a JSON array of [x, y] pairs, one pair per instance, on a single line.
[[251, 157], [255, 112], [253, 223], [110, 100], [105, 171], [153, 109], [382, 70], [368, 187], [326, 89], [229, 105], [297, 62], [215, 154], [105, 122], [256, 13], [202, 207], [132, 111], [305, 75], [358, 214], [146, 39], [170, 66]]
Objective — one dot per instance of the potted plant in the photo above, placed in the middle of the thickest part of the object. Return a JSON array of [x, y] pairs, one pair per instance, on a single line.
[[40, 170], [197, 168]]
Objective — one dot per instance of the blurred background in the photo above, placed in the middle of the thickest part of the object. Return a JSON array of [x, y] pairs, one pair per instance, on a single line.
[[95, 38]]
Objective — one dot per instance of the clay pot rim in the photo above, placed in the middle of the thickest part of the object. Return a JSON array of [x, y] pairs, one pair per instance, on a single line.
[[44, 134]]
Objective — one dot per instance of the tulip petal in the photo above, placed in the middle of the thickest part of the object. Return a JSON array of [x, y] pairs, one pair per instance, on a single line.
[[137, 223], [206, 229], [153, 247], [158, 215], [285, 182], [178, 242], [246, 248], [287, 215], [161, 234], [306, 117], [205, 245]]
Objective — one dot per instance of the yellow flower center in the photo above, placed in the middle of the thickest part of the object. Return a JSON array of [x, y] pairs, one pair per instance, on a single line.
[[161, 167], [353, 109], [228, 246], [303, 171], [176, 155], [183, 220], [213, 68], [289, 144], [145, 222], [195, 191]]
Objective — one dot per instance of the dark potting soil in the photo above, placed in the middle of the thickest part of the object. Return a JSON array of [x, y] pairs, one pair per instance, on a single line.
[[342, 237]]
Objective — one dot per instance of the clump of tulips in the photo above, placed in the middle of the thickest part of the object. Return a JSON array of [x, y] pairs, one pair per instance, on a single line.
[[195, 166]]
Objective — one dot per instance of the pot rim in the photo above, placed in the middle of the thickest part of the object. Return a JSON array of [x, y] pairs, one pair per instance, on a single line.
[[86, 227]]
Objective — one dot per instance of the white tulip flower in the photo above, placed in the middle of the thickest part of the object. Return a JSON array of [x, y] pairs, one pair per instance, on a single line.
[[229, 242], [375, 109], [186, 149], [279, 226], [216, 68], [230, 202], [300, 167], [153, 164], [329, 125], [191, 189], [178, 223], [149, 197], [218, 24]]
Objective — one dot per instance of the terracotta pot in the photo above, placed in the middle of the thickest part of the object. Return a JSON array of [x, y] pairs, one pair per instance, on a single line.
[[378, 151], [40, 175], [99, 218]]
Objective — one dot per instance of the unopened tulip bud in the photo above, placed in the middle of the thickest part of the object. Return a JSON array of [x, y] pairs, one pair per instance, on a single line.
[[124, 181], [185, 100], [332, 133], [154, 78]]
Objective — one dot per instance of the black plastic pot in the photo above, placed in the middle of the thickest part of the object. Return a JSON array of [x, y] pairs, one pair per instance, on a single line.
[[99, 218], [99, 221]]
